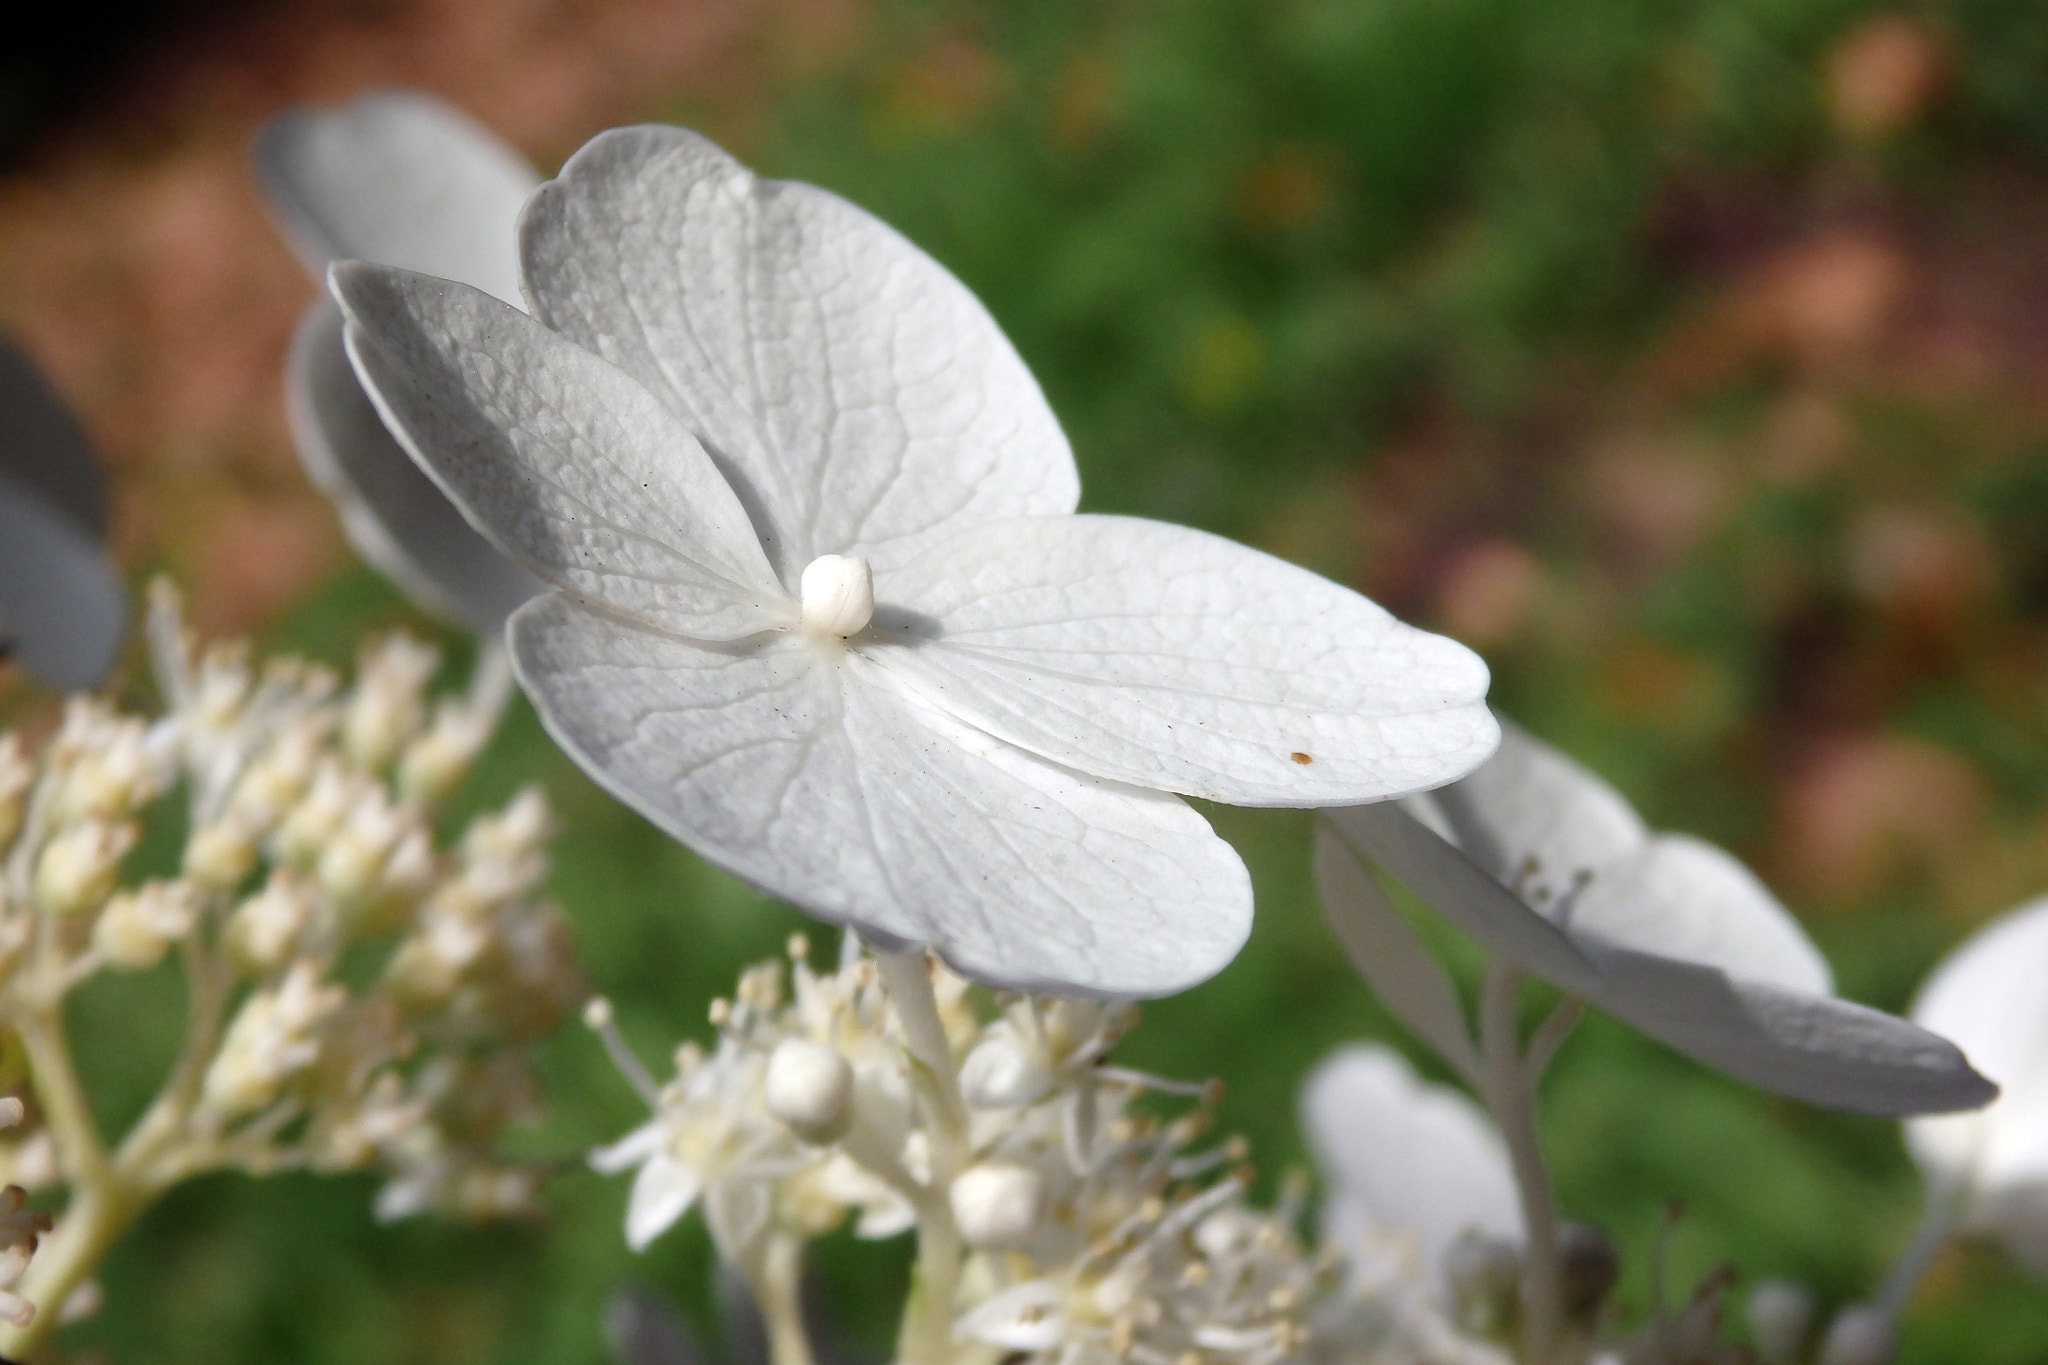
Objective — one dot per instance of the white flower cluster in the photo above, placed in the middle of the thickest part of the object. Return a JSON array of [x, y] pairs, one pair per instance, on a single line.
[[1074, 1224], [360, 997]]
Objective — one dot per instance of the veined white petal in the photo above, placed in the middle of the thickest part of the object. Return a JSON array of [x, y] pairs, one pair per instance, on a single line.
[[394, 515], [1401, 1154], [1534, 814], [1686, 898], [1989, 997], [798, 765], [564, 462], [401, 178], [662, 1192], [1809, 1047], [855, 392], [1170, 658]]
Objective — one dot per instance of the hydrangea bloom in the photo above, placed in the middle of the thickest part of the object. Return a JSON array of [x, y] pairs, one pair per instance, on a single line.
[[824, 610], [1991, 1167], [397, 177], [1549, 867]]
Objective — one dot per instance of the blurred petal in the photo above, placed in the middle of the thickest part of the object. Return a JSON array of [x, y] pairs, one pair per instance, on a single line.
[[1024, 1317], [1991, 997], [62, 609], [662, 1192], [1399, 1154], [1808, 1047], [1173, 659], [1686, 898], [1532, 813], [399, 178], [394, 515], [1463, 892], [574, 469], [821, 782], [1385, 951], [856, 393]]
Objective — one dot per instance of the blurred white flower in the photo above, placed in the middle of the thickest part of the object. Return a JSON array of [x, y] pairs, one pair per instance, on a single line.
[[1409, 1168], [63, 612], [397, 177], [1991, 1167], [1548, 867], [742, 412]]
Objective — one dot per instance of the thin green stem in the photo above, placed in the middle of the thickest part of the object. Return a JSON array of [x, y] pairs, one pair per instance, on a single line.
[[1937, 1222], [1511, 1097]]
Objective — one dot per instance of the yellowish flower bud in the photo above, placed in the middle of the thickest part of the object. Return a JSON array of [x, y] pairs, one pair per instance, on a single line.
[[77, 868], [219, 855], [138, 926], [809, 1087], [996, 1204]]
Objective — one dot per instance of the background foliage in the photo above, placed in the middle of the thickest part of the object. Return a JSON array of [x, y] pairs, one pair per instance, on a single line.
[[1685, 356]]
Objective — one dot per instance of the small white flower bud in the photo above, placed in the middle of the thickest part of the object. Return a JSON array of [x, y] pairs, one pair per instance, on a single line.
[[1859, 1335], [137, 926], [220, 854], [77, 869], [435, 763], [996, 1204], [265, 930], [809, 1087], [1780, 1315], [1002, 1073], [838, 595], [385, 709]]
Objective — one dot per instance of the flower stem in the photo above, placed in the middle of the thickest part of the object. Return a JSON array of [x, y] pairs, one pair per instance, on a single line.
[[1937, 1221], [778, 1289], [926, 1336], [1511, 1097]]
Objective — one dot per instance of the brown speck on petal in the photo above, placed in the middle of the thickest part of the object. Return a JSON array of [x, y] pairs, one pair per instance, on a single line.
[[1299, 757]]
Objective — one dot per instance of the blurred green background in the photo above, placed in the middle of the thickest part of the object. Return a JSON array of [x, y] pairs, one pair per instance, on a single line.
[[1687, 357]]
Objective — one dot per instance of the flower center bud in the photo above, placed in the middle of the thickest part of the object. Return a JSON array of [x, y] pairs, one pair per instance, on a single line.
[[809, 1086], [996, 1204], [838, 595]]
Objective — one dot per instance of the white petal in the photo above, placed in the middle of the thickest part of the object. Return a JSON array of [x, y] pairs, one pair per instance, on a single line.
[[1410, 1155], [62, 610], [400, 178], [1462, 892], [1685, 898], [797, 765], [1385, 951], [394, 515], [857, 393], [1809, 1047], [1533, 814], [565, 463], [1024, 1317], [1988, 997], [662, 1192], [630, 1150], [1174, 659]]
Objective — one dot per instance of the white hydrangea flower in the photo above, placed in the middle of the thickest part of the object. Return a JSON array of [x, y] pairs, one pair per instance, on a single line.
[[399, 177], [1408, 1166], [1549, 867], [824, 610], [1992, 1165]]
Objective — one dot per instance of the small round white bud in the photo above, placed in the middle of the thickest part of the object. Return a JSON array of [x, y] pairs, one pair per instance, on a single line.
[[1780, 1315], [996, 1204], [837, 595], [1002, 1073], [597, 1014], [810, 1087], [1859, 1335]]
